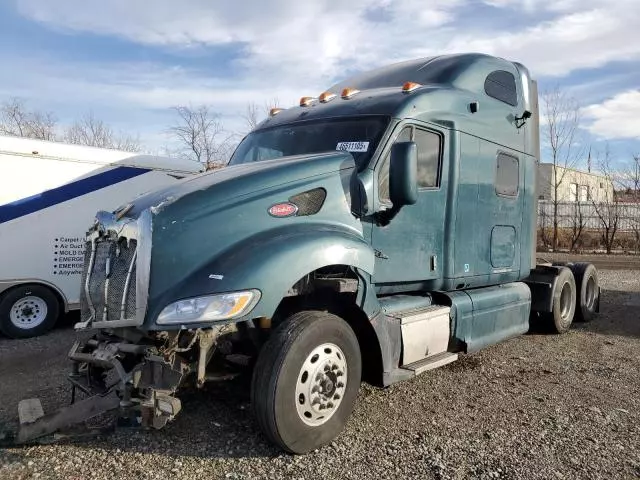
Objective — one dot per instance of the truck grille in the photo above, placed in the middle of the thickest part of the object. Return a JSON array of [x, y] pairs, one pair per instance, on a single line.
[[113, 271]]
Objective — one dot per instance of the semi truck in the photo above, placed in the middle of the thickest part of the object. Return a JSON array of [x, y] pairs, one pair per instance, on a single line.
[[49, 193], [374, 232]]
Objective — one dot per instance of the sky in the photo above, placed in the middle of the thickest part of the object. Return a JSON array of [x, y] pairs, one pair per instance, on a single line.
[[130, 61]]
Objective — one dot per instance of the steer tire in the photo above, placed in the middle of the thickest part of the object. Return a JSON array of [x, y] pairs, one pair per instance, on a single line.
[[564, 303], [286, 366], [41, 304], [588, 291]]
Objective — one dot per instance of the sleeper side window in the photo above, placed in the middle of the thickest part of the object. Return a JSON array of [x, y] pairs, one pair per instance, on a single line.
[[507, 175], [501, 85], [429, 155]]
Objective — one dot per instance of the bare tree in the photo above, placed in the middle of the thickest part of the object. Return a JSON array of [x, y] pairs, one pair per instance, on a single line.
[[607, 207], [578, 223], [632, 180], [94, 132], [561, 117], [254, 114], [201, 135], [544, 225], [17, 120]]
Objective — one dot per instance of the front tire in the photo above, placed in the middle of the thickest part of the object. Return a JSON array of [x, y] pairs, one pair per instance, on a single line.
[[28, 311], [306, 381]]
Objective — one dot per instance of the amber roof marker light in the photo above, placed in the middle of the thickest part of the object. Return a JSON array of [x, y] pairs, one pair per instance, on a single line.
[[349, 92], [275, 111], [409, 87], [326, 97], [307, 101]]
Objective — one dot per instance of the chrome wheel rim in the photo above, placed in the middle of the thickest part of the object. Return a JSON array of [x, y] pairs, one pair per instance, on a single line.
[[590, 293], [28, 312], [565, 302], [321, 384]]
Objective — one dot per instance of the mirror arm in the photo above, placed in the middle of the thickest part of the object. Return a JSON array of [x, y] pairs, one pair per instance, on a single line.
[[384, 217], [520, 121]]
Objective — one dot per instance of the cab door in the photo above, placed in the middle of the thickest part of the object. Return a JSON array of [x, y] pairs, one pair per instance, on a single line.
[[409, 246]]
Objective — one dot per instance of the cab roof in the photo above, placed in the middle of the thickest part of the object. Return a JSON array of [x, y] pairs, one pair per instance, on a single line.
[[380, 91]]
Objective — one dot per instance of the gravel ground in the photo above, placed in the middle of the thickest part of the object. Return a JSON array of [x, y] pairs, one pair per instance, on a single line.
[[539, 406]]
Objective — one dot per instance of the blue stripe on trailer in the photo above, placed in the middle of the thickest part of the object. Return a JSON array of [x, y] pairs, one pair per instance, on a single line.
[[69, 191]]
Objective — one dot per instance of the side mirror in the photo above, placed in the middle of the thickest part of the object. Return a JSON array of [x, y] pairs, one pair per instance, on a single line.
[[403, 174]]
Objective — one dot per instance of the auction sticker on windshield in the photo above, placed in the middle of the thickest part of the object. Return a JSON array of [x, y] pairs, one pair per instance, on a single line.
[[353, 146]]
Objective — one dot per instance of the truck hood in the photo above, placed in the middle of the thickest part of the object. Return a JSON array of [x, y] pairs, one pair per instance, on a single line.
[[238, 180]]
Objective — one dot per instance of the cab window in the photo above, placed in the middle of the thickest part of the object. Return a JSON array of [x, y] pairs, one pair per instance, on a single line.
[[429, 154]]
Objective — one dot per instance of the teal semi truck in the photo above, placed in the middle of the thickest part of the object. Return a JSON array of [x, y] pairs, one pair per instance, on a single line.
[[374, 232]]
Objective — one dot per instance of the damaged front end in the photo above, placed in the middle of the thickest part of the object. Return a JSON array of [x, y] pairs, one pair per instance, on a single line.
[[134, 380], [125, 371]]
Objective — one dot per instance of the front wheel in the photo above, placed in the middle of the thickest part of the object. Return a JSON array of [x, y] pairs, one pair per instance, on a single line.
[[306, 380]]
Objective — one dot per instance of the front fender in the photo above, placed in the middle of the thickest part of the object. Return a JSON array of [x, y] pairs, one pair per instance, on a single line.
[[272, 262]]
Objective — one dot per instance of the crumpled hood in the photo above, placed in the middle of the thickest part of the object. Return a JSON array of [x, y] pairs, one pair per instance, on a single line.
[[237, 180]]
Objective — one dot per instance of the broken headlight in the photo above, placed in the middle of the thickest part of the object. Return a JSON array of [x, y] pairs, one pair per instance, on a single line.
[[225, 306]]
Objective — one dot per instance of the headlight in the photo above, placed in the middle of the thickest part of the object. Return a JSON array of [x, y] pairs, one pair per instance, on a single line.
[[224, 306]]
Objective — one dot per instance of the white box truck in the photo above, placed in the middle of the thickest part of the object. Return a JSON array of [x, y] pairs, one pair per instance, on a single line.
[[49, 194]]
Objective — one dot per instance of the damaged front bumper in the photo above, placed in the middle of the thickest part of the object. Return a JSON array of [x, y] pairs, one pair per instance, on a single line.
[[134, 382]]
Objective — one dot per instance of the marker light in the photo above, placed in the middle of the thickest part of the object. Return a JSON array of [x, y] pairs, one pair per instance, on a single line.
[[306, 101], [275, 111], [349, 92], [410, 87], [326, 97]]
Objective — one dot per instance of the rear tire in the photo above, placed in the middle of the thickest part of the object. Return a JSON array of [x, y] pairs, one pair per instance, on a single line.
[[588, 289], [28, 311], [564, 303], [306, 380]]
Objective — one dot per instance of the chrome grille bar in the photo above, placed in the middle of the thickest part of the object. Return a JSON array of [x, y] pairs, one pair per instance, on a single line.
[[125, 293], [88, 278], [106, 289]]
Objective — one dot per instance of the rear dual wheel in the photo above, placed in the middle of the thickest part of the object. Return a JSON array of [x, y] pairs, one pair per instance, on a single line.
[[563, 303], [587, 289], [306, 380], [588, 295]]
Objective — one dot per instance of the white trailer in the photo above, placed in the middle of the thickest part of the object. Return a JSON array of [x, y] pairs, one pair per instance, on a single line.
[[49, 195]]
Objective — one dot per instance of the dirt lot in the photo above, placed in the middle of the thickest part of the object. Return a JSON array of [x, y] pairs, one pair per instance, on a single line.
[[539, 406]]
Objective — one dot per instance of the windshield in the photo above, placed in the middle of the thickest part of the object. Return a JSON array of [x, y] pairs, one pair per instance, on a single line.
[[359, 136]]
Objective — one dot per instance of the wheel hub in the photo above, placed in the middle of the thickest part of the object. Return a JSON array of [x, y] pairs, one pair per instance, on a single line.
[[28, 312], [321, 384]]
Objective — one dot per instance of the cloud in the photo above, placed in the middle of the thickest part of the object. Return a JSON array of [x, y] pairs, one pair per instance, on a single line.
[[589, 38], [322, 38], [289, 48], [617, 117], [287, 37]]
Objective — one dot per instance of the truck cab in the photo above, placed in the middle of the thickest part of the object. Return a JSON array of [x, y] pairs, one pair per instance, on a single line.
[[374, 232]]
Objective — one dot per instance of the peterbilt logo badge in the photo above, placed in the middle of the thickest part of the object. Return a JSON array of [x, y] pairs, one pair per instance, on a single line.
[[285, 209]]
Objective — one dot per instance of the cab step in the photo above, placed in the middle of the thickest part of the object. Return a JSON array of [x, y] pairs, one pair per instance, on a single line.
[[430, 363]]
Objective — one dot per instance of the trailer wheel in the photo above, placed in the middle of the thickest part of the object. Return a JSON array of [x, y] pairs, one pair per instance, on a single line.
[[588, 288], [564, 303], [28, 311], [306, 380]]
